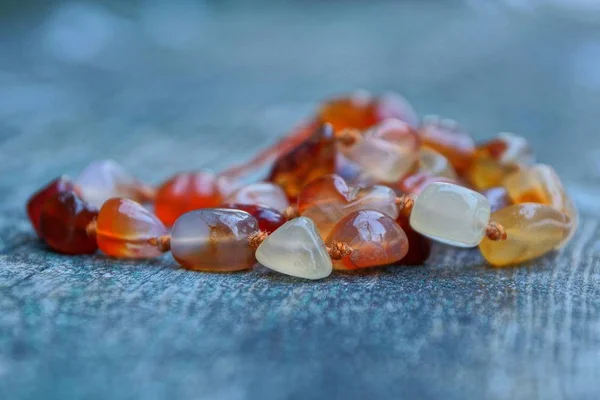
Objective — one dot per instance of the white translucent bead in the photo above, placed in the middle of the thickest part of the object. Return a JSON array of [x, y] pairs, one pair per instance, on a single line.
[[262, 193], [451, 214], [296, 249], [435, 164]]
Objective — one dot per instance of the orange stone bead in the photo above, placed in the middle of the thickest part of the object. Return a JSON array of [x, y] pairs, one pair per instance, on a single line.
[[36, 202], [419, 246], [186, 192], [375, 239], [312, 159], [63, 224], [124, 228]]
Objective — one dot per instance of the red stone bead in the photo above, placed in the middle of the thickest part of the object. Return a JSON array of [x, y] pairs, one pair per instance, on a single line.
[[36, 202], [63, 223], [419, 247], [268, 219]]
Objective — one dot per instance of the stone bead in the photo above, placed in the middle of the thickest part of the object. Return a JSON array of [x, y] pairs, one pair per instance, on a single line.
[[296, 249], [416, 183], [36, 202], [265, 194], [311, 159], [451, 214], [188, 191], [268, 219], [532, 231], [375, 239], [419, 246], [386, 152], [435, 164], [508, 149], [329, 199], [485, 173], [102, 180], [497, 197], [214, 239], [63, 223], [447, 138], [124, 228]]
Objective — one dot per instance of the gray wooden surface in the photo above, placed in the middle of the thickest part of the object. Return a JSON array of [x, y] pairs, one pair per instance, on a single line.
[[84, 82]]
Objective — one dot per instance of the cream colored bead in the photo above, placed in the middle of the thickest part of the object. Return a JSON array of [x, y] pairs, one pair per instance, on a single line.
[[451, 214], [435, 164]]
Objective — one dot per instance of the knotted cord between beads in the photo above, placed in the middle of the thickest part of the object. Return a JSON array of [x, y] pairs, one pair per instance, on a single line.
[[336, 250]]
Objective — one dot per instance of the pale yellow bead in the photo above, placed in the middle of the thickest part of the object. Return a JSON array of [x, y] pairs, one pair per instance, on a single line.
[[435, 164], [532, 231], [451, 214]]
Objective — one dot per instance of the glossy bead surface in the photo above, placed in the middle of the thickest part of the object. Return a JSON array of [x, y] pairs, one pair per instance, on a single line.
[[447, 138], [416, 183], [268, 219], [375, 239], [434, 163], [532, 231], [265, 194], [296, 249], [63, 223], [451, 214], [36, 202], [214, 239], [186, 192], [419, 246], [329, 199], [102, 180], [124, 227]]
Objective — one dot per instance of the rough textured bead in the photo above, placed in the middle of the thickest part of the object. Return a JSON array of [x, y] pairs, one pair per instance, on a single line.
[[268, 219], [416, 183], [296, 249], [102, 180], [386, 152], [532, 231], [313, 158], [434, 163], [375, 239], [188, 191], [447, 138], [451, 214], [265, 194], [419, 246], [214, 239], [36, 202], [497, 197], [63, 223], [329, 199], [124, 227]]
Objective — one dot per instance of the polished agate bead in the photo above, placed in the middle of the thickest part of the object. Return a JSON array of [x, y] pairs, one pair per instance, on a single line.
[[214, 239], [296, 249], [102, 180], [508, 149], [435, 164], [329, 199], [311, 159], [63, 224], [414, 184], [188, 191], [532, 231], [386, 152], [497, 197], [124, 228], [451, 214], [268, 219], [36, 202], [375, 239], [265, 194], [419, 246], [446, 137]]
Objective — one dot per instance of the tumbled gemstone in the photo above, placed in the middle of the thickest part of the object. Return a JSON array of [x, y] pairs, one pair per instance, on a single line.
[[485, 173], [497, 197], [188, 191], [532, 231], [36, 202], [124, 227], [446, 137], [375, 239], [329, 199], [435, 164], [102, 180], [419, 246], [63, 223], [313, 158], [417, 182], [265, 194], [296, 249], [214, 239], [268, 219], [386, 152], [508, 149], [451, 214]]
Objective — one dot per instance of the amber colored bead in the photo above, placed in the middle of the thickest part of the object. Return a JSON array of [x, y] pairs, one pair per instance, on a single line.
[[447, 138], [419, 246], [497, 197], [265, 194], [485, 173], [375, 240], [124, 227], [312, 159], [63, 224], [415, 183], [36, 202], [268, 219], [186, 192]]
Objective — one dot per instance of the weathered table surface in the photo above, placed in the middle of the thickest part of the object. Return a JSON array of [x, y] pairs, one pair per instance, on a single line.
[[89, 82]]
